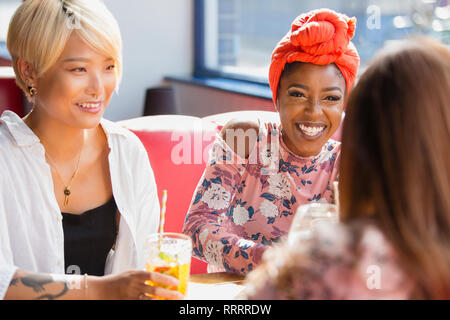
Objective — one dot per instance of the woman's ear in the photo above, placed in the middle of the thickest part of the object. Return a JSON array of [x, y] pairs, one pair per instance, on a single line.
[[277, 104], [26, 72]]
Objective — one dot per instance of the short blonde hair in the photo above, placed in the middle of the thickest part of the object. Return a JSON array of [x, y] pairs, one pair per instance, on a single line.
[[40, 29]]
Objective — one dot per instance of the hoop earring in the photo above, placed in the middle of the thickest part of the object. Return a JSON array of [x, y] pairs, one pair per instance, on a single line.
[[32, 91]]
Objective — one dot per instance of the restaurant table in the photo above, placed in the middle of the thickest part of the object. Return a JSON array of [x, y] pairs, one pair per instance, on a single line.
[[215, 286]]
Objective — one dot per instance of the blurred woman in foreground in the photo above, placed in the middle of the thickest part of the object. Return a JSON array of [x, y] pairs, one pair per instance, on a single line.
[[394, 239]]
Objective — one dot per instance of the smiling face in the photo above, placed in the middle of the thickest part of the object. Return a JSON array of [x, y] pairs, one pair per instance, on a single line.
[[310, 102], [77, 89]]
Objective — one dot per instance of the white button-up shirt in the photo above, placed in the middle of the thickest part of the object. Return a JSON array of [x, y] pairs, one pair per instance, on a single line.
[[31, 232]]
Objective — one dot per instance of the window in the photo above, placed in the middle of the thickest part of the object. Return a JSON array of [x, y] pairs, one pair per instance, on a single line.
[[7, 9], [235, 38]]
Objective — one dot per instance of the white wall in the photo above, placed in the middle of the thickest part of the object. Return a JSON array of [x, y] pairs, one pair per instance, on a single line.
[[158, 40]]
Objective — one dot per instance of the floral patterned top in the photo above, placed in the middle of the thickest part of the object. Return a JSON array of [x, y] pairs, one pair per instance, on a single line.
[[242, 206], [337, 262]]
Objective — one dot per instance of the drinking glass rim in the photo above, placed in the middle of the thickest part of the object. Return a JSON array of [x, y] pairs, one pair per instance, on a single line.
[[319, 204]]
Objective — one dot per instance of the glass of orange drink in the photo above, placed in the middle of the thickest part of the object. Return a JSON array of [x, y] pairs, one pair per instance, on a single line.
[[169, 253]]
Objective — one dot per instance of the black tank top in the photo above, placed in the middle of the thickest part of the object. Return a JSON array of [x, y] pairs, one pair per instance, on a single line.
[[88, 238]]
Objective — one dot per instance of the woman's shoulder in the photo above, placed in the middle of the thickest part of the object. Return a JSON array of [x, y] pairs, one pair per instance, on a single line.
[[246, 125], [339, 261], [242, 134], [368, 260], [360, 239]]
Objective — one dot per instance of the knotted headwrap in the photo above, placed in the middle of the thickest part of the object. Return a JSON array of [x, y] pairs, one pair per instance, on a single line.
[[320, 37]]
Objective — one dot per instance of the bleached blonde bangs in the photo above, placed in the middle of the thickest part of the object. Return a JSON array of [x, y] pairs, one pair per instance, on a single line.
[[40, 29]]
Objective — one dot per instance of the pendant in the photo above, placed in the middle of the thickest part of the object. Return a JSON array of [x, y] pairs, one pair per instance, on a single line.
[[66, 196]]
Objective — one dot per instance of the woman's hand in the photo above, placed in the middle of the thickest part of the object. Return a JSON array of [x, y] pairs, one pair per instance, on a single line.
[[130, 285]]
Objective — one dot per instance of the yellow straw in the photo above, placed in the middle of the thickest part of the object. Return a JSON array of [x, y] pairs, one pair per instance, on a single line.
[[163, 212]]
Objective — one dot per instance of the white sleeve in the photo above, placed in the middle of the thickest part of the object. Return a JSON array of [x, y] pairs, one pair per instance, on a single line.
[[147, 209], [7, 268]]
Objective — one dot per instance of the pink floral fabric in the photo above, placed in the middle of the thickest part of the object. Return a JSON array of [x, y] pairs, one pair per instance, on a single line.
[[338, 262], [242, 206]]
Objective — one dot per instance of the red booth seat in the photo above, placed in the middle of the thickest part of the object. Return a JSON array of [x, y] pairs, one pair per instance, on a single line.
[[177, 147]]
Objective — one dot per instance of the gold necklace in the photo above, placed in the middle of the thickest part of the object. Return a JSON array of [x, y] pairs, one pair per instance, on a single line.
[[67, 191]]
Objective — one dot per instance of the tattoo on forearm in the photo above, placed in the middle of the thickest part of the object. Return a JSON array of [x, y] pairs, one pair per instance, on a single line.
[[37, 282]]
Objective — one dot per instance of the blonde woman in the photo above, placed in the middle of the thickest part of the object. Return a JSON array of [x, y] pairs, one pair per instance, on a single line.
[[77, 193]]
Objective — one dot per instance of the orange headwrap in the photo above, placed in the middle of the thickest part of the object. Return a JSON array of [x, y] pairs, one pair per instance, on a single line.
[[319, 37]]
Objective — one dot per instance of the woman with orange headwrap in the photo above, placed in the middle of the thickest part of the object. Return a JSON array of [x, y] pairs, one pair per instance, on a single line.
[[246, 199]]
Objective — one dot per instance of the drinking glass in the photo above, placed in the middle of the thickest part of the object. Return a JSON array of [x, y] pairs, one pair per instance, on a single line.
[[310, 216], [169, 253]]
